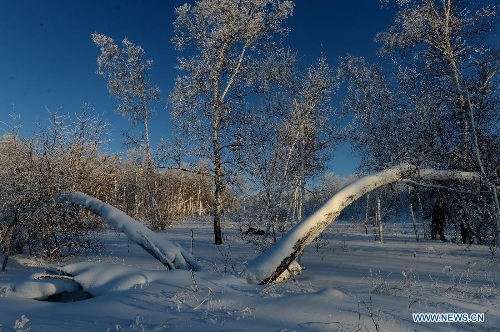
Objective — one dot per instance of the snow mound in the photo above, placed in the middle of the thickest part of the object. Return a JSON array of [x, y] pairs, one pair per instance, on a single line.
[[42, 289], [99, 279], [92, 278], [331, 293]]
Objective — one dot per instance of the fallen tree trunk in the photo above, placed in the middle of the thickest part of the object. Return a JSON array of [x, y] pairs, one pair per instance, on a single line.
[[170, 254], [267, 267]]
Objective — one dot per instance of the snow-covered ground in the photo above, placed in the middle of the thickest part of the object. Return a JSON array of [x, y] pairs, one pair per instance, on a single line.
[[351, 283]]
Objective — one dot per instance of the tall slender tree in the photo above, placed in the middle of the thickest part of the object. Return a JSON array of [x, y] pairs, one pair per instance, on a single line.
[[128, 81], [226, 43], [298, 139], [440, 107], [455, 61], [444, 48]]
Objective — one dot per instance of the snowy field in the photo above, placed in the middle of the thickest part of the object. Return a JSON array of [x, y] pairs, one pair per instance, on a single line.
[[350, 283]]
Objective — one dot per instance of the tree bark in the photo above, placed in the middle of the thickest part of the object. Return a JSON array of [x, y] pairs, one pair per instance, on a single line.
[[379, 221], [269, 265], [217, 180], [8, 242]]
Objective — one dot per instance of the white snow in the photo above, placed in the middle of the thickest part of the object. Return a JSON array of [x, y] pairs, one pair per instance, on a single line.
[[351, 284], [99, 279], [41, 289]]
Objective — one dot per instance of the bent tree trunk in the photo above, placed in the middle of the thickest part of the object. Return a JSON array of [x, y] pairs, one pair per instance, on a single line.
[[171, 255], [276, 260]]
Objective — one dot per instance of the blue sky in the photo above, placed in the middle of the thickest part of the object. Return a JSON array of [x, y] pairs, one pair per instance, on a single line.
[[48, 59]]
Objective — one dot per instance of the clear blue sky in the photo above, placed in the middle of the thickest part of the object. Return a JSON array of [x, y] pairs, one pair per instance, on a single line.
[[48, 59]]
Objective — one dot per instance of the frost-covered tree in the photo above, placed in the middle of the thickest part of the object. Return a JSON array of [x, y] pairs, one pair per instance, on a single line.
[[447, 59], [297, 133], [308, 131], [128, 81], [372, 108], [376, 129], [171, 255], [64, 155], [449, 66], [438, 107], [226, 44]]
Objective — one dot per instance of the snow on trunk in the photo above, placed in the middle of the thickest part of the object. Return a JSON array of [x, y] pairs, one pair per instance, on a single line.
[[272, 263], [172, 255]]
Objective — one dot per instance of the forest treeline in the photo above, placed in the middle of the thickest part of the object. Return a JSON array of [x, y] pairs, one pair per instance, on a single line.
[[68, 154], [255, 129]]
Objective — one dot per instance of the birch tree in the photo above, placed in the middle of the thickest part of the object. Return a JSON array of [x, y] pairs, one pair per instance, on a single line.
[[371, 106], [439, 108], [128, 81], [455, 61], [307, 130], [298, 137], [270, 265], [226, 43], [444, 52]]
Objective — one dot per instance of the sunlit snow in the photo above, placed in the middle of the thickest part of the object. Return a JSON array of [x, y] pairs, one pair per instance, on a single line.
[[350, 284]]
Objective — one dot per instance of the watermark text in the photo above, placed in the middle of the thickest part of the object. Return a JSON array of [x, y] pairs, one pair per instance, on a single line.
[[450, 317]]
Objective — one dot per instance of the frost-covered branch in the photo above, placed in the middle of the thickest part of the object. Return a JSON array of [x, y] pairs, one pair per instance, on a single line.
[[193, 171], [172, 255], [437, 186]]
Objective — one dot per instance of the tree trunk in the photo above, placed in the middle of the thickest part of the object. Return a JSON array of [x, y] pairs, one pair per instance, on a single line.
[[497, 212], [269, 265], [414, 220], [158, 223], [171, 255], [8, 241], [217, 213], [379, 221], [366, 212], [412, 213], [217, 182]]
